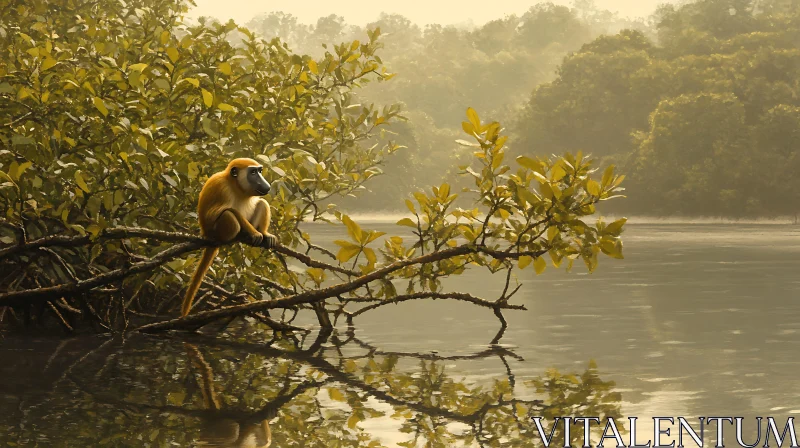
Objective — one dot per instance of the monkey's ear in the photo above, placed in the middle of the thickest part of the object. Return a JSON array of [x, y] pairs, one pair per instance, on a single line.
[[234, 172]]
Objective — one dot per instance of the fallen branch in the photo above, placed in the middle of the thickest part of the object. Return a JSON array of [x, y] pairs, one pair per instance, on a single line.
[[197, 320], [464, 297]]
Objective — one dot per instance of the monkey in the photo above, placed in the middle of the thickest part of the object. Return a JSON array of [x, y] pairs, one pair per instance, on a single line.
[[231, 206]]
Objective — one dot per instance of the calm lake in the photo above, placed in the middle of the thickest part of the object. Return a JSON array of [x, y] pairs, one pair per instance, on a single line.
[[698, 320]]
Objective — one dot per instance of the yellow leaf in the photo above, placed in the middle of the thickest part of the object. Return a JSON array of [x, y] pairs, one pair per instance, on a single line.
[[80, 181], [312, 65], [558, 173], [208, 97], [48, 63], [346, 253], [335, 394], [352, 228], [353, 421], [98, 103], [539, 265], [370, 254], [226, 107], [524, 261], [593, 187], [173, 55], [473, 118], [468, 127], [407, 222], [192, 81], [608, 174], [225, 68], [552, 233], [374, 235], [615, 227], [527, 162], [138, 67]]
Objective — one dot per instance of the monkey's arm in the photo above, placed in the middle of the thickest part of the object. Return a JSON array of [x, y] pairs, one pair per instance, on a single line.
[[261, 220], [231, 223]]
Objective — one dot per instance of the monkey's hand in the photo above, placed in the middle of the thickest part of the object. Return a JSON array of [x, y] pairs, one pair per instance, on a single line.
[[270, 240]]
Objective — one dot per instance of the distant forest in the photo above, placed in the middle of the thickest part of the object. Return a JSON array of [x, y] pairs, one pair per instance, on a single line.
[[698, 104]]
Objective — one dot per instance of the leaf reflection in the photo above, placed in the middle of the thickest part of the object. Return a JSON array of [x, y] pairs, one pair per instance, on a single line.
[[334, 390]]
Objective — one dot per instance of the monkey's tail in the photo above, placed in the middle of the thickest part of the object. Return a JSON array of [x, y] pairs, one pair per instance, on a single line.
[[205, 262]]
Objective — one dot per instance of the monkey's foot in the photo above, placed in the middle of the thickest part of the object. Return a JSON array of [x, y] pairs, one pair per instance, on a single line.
[[270, 240]]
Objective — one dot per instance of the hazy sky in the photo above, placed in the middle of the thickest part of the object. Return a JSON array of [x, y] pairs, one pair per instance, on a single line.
[[360, 12]]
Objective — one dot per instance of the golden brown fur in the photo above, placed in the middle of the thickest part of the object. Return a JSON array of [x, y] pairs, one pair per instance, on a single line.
[[230, 206]]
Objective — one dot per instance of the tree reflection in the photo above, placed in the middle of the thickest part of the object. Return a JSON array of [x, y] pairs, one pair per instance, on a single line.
[[329, 390]]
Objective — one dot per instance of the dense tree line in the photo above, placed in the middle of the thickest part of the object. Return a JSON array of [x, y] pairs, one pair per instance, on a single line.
[[705, 116], [702, 97], [440, 70]]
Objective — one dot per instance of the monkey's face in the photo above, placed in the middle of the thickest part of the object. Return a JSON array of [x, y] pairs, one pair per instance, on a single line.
[[250, 179]]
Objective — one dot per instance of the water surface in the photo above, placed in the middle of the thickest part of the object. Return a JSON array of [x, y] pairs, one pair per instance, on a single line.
[[698, 320]]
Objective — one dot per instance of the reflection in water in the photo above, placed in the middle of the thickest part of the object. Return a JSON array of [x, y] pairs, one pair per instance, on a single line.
[[331, 390], [219, 431]]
